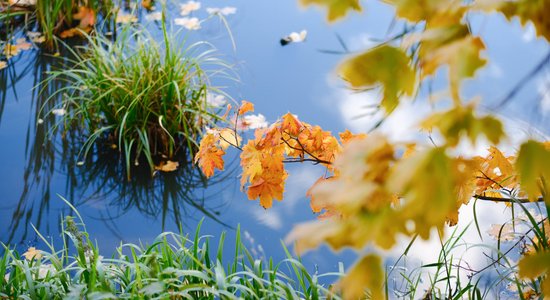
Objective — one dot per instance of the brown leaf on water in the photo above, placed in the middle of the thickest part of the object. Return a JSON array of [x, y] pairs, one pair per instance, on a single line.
[[86, 16], [148, 4], [11, 50], [168, 166], [69, 33]]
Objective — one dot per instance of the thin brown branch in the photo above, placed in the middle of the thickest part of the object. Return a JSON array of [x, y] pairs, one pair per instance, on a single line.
[[497, 261], [507, 200]]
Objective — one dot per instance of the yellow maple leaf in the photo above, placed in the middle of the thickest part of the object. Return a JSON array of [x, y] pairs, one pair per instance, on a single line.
[[495, 172], [460, 121], [449, 11], [385, 65], [228, 137], [348, 136], [463, 56], [534, 11], [251, 162], [316, 205], [368, 274], [533, 166], [427, 204], [336, 8], [537, 265]]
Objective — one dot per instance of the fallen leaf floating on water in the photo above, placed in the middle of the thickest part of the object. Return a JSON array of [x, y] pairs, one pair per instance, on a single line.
[[70, 33], [36, 37], [188, 23], [125, 18], [225, 11], [11, 50], [189, 7], [294, 37], [32, 253], [86, 16], [168, 166]]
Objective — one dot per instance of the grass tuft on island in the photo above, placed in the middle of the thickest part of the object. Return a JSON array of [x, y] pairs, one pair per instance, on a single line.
[[147, 99]]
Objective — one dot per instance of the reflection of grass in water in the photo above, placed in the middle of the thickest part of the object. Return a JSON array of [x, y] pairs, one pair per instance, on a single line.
[[170, 197], [40, 150], [147, 98], [174, 194], [174, 266]]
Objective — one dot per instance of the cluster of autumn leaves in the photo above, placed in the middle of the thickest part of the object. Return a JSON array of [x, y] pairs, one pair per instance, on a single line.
[[375, 190]]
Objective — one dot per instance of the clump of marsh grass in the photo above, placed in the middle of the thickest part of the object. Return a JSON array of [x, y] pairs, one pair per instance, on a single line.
[[146, 98], [174, 266]]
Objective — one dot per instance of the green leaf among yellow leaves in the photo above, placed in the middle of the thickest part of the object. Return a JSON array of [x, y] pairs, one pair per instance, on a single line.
[[461, 121], [336, 8], [533, 166], [385, 65], [449, 11]]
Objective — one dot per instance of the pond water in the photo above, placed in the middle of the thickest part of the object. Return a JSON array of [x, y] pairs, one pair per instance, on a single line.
[[35, 172]]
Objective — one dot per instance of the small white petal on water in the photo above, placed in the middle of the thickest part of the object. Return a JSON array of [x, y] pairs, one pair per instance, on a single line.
[[188, 23]]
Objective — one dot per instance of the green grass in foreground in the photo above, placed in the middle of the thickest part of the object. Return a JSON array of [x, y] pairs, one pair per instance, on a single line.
[[172, 267], [148, 99]]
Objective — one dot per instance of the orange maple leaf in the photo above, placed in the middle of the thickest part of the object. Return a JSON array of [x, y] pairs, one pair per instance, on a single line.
[[291, 125], [348, 136], [209, 156], [86, 16], [496, 171], [245, 107], [268, 187]]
